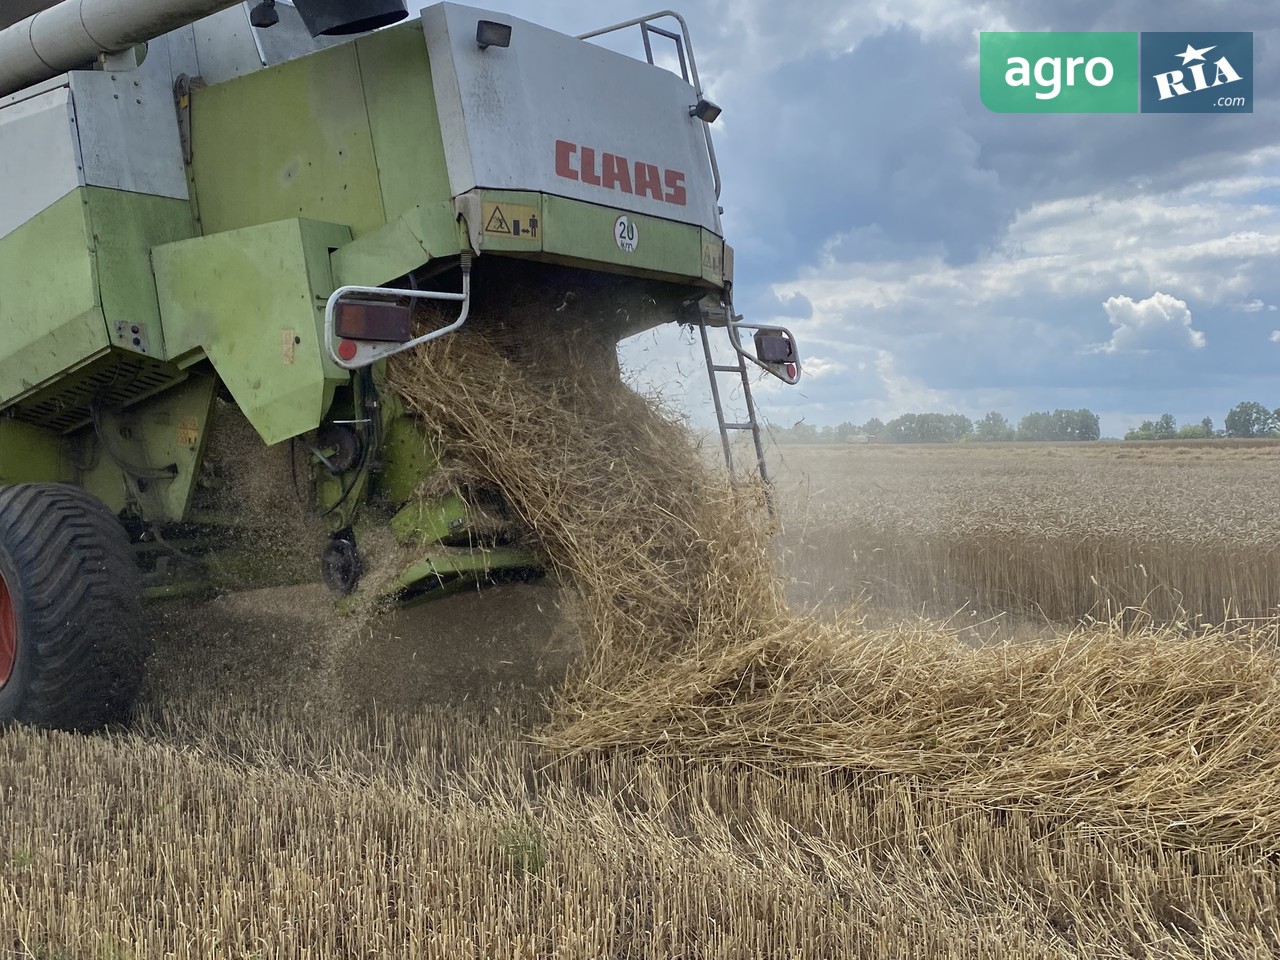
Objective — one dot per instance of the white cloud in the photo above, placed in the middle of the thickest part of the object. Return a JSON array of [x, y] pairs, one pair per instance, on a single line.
[[880, 388], [1253, 306], [812, 368], [905, 393], [1159, 322], [1214, 252], [1275, 336], [754, 37], [818, 367]]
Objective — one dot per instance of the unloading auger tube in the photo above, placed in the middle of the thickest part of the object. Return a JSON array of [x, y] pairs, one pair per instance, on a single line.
[[63, 36], [75, 32]]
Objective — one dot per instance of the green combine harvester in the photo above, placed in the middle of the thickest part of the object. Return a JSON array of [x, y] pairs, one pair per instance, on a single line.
[[213, 209]]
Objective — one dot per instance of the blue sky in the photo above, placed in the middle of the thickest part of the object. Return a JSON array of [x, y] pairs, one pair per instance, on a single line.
[[932, 255]]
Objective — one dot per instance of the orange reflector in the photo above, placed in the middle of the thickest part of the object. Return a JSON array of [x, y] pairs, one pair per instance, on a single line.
[[373, 320], [791, 371], [347, 350]]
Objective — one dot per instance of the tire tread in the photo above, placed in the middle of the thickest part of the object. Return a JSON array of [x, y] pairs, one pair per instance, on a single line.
[[80, 597]]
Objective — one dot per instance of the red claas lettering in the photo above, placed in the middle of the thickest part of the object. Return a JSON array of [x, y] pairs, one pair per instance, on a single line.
[[612, 171], [674, 180]]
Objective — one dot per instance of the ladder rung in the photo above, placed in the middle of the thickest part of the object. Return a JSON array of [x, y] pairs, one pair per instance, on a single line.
[[751, 424]]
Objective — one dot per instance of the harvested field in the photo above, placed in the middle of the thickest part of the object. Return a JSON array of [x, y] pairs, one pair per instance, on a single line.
[[1186, 532], [717, 776], [291, 833]]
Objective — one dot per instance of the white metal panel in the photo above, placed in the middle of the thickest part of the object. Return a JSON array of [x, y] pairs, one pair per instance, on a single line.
[[181, 47], [449, 102], [226, 46], [129, 128], [34, 91], [505, 110], [39, 156]]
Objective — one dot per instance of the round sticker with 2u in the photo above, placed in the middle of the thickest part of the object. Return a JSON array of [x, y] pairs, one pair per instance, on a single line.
[[626, 234]]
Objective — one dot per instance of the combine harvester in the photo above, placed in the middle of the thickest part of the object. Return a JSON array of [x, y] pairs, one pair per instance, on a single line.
[[210, 206]]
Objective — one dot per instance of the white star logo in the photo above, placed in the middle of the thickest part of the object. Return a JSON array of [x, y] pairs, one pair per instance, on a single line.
[[1191, 53]]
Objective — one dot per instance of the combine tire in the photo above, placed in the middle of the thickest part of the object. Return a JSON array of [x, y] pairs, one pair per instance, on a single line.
[[71, 648]]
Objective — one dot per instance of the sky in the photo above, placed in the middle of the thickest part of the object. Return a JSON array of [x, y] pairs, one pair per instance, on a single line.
[[931, 255]]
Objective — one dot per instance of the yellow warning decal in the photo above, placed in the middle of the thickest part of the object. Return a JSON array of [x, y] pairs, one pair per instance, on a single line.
[[188, 431], [513, 221], [712, 257]]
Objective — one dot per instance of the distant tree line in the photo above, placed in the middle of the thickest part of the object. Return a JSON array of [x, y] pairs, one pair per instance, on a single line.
[[950, 428], [1246, 420]]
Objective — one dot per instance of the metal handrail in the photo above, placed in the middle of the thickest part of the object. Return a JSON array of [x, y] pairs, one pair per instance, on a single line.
[[684, 30], [693, 71], [736, 325], [371, 354]]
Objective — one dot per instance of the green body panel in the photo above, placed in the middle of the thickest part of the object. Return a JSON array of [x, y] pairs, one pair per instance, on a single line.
[[335, 501], [167, 430], [424, 522], [407, 455], [288, 142], [112, 379], [31, 455], [252, 301], [447, 569], [347, 135], [423, 233], [583, 233], [76, 279], [50, 317], [403, 120], [125, 227], [713, 259]]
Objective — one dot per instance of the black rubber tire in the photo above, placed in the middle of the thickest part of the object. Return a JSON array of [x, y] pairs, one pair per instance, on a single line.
[[77, 603]]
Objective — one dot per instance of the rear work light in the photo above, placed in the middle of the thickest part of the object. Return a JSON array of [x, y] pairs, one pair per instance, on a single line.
[[775, 346], [375, 320]]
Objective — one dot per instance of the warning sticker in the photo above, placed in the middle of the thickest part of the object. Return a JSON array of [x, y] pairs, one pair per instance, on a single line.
[[188, 431], [514, 221], [712, 257]]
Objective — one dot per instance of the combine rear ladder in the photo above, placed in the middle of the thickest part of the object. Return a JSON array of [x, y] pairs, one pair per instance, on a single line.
[[750, 423]]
